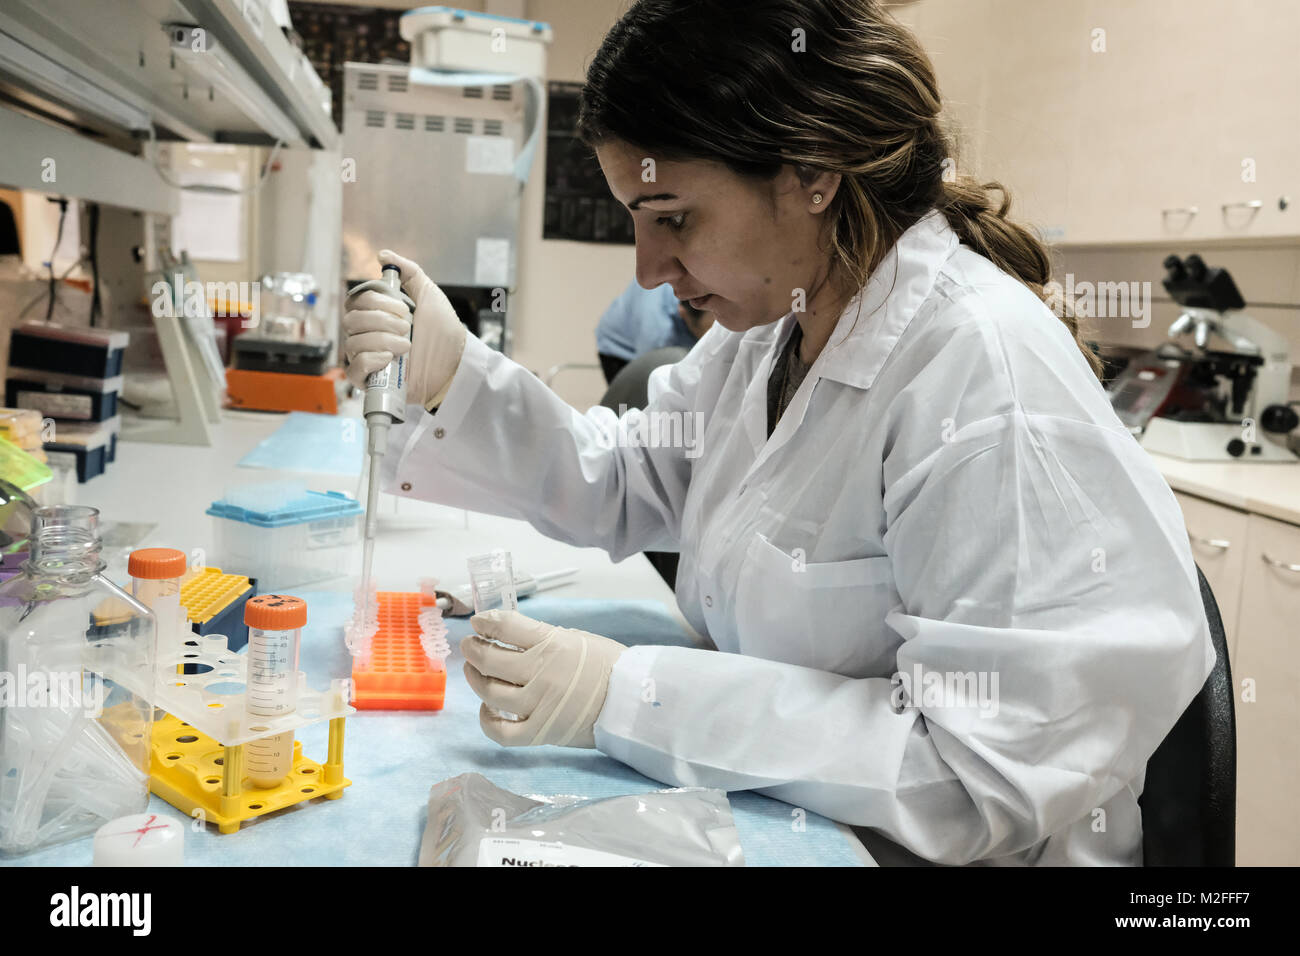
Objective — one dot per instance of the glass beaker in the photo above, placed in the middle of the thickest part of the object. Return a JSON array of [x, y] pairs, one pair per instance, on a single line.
[[78, 654]]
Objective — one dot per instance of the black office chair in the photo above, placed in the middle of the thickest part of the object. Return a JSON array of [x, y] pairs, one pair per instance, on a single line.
[[630, 386], [1189, 803]]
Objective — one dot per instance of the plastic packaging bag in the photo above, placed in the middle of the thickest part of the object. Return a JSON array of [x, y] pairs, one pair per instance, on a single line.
[[473, 822]]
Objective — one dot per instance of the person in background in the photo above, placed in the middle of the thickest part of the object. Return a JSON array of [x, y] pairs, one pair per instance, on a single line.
[[642, 320]]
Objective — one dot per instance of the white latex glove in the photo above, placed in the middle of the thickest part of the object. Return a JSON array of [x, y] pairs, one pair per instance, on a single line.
[[556, 684], [377, 324]]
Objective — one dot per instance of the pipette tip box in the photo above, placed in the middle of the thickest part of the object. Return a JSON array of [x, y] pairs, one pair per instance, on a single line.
[[288, 543], [63, 396], [214, 604], [89, 447], [96, 353]]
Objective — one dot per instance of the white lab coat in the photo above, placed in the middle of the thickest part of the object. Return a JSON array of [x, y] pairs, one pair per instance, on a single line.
[[948, 493]]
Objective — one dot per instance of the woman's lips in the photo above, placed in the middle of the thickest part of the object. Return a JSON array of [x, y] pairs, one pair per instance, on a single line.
[[699, 303]]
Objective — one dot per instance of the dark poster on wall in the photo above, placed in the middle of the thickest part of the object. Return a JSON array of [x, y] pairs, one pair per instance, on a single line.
[[579, 205], [334, 34]]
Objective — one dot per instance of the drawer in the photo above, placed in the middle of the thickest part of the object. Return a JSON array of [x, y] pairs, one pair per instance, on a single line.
[[1268, 669], [1218, 538]]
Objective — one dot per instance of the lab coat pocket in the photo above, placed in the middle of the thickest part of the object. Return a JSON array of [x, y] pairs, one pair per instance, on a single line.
[[828, 615]]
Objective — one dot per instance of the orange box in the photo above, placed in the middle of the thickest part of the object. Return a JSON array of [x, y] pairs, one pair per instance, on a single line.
[[399, 675], [283, 391]]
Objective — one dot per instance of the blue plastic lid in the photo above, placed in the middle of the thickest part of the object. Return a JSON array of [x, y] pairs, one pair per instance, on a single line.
[[457, 14], [312, 506]]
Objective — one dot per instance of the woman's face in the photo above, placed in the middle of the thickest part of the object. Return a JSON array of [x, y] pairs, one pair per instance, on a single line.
[[742, 246]]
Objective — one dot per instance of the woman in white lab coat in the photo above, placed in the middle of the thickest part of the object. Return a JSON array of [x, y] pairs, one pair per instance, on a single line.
[[953, 601]]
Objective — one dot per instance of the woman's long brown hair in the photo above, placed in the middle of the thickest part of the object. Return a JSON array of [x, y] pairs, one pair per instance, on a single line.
[[836, 85]]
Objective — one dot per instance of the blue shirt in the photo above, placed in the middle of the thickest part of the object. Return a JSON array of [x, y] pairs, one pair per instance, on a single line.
[[640, 321]]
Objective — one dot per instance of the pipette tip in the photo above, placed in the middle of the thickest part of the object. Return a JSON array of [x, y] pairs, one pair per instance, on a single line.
[[433, 634], [364, 623]]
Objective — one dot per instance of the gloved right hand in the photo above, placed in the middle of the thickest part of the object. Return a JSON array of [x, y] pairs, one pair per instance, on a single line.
[[377, 330]]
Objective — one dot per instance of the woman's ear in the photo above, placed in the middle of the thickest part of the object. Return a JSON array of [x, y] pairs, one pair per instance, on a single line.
[[820, 186]]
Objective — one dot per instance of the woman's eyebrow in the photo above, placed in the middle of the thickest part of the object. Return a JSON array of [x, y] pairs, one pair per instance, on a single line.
[[636, 203]]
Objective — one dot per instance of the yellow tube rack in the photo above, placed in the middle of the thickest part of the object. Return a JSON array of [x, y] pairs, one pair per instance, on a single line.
[[191, 771]]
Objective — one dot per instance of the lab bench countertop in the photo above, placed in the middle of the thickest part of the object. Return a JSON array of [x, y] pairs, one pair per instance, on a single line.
[[1271, 489], [394, 757]]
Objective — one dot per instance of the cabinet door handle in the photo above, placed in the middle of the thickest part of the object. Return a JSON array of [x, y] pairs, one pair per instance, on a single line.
[[1210, 542], [1179, 211], [1280, 564], [1253, 204]]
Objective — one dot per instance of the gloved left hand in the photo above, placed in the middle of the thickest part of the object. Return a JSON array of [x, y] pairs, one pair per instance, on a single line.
[[556, 683]]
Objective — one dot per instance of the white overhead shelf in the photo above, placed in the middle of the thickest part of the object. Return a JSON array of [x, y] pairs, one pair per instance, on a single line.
[[103, 65]]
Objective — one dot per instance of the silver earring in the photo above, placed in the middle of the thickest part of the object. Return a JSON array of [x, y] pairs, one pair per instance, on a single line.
[[817, 198]]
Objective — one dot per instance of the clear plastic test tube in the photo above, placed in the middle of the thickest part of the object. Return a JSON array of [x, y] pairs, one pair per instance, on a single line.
[[492, 584], [156, 583], [275, 623]]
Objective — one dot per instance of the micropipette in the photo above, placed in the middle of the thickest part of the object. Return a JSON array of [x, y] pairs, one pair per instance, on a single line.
[[385, 406]]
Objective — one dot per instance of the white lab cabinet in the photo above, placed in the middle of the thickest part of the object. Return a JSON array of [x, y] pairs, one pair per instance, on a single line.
[[1251, 562], [1120, 122]]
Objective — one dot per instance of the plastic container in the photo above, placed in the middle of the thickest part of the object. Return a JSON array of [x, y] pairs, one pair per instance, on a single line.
[[74, 754], [89, 434], [286, 541], [20, 469], [84, 461], [16, 515], [214, 604], [87, 447], [275, 623], [288, 306], [96, 353], [60, 488], [17, 510], [60, 395], [156, 583], [492, 582], [445, 38], [398, 672], [142, 839], [256, 353], [22, 426]]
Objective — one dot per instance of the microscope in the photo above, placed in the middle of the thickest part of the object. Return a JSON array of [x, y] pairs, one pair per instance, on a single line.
[[1202, 403]]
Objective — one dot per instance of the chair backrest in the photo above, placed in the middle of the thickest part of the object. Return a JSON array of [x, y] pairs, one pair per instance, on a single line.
[[1189, 802], [630, 387]]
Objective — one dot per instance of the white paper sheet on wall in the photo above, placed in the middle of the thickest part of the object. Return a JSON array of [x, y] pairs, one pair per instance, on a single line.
[[210, 226], [489, 154], [491, 262]]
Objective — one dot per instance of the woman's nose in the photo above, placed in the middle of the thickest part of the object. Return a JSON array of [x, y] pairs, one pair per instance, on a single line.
[[655, 264]]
